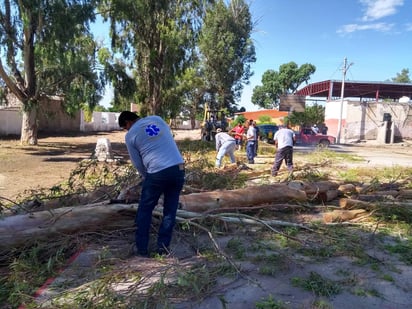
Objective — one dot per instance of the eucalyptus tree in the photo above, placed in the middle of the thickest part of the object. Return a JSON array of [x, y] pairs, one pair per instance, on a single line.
[[276, 83], [193, 89], [47, 50], [227, 50], [314, 114], [402, 77], [156, 40]]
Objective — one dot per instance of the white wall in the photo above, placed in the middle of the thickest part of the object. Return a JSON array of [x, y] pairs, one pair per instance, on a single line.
[[101, 121], [10, 122]]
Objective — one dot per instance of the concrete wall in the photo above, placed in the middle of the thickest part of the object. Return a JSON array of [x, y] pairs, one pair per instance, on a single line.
[[365, 120], [101, 121], [10, 122], [54, 120], [58, 122]]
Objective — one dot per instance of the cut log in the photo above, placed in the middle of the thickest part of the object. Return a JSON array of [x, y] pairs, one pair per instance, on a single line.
[[26, 229], [320, 186], [347, 188], [317, 191], [342, 215], [278, 193], [405, 194], [347, 203], [374, 197]]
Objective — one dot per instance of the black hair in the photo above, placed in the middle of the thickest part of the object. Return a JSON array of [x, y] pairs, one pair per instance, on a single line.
[[127, 116]]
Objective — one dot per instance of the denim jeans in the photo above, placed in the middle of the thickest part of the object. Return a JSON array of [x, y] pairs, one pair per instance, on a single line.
[[250, 151], [168, 182]]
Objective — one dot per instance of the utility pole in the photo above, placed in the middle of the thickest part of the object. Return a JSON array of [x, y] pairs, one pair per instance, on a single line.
[[342, 94]]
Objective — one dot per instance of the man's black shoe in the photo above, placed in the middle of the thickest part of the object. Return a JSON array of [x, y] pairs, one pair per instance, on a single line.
[[163, 251], [140, 253]]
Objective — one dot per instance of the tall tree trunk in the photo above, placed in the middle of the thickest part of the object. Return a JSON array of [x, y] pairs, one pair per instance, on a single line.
[[29, 126]]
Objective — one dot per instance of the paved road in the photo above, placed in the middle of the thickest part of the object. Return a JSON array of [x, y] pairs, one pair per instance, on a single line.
[[374, 155]]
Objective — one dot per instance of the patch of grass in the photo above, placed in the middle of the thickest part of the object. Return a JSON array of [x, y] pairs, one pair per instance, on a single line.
[[271, 264], [375, 175], [28, 271], [317, 284], [403, 249], [237, 248], [359, 291], [270, 303], [399, 217], [197, 280], [322, 155], [349, 175], [388, 278], [310, 174], [321, 304]]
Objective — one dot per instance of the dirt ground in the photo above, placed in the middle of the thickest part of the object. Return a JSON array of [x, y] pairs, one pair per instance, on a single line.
[[49, 163]]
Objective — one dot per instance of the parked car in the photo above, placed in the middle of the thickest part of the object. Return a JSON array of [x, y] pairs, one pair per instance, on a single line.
[[267, 132], [307, 137]]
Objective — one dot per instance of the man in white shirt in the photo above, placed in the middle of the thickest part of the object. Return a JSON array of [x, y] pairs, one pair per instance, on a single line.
[[284, 140], [250, 144], [225, 145]]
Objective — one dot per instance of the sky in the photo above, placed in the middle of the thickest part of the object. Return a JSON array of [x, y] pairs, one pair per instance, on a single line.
[[375, 36]]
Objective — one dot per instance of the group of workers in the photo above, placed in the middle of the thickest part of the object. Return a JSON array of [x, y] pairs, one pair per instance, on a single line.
[[228, 142]]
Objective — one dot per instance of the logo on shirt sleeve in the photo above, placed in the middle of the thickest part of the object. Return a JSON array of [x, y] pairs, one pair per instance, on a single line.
[[152, 130]]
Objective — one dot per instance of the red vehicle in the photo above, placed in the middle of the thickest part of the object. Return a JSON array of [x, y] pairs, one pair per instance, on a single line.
[[306, 136]]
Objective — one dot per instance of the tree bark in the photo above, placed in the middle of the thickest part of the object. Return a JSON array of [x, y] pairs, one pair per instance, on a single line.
[[342, 215], [199, 202], [29, 126], [26, 229]]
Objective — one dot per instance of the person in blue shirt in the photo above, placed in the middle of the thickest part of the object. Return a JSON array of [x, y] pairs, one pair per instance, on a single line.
[[155, 155]]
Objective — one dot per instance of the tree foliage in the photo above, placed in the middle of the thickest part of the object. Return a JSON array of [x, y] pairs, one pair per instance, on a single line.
[[276, 83], [402, 77], [156, 40], [227, 51], [314, 114], [47, 50]]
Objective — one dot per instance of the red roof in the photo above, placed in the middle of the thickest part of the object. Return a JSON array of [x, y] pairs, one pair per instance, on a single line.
[[377, 90]]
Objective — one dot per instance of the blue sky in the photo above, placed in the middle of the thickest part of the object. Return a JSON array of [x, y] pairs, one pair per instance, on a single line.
[[374, 35]]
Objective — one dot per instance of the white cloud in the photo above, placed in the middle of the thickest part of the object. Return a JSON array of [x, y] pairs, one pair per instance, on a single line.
[[376, 9], [382, 27], [408, 27]]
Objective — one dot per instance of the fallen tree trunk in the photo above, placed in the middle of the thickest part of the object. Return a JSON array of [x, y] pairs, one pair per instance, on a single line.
[[26, 229], [347, 203], [342, 215], [199, 202]]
